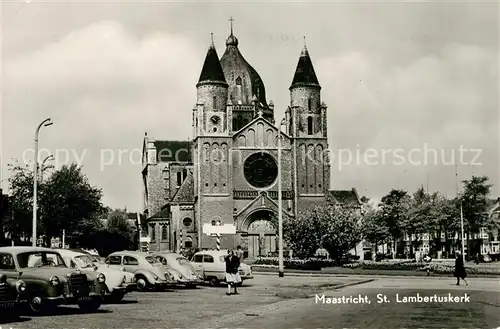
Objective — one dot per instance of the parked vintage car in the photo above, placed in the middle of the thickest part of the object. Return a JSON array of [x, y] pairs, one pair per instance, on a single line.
[[118, 281], [49, 282], [179, 269], [148, 271], [213, 265], [12, 292]]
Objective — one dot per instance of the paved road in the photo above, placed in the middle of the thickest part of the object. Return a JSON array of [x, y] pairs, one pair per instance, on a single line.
[[271, 302], [184, 308], [481, 311]]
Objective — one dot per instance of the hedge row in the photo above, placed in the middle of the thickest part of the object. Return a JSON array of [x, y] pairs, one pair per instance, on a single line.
[[297, 264], [449, 269], [318, 264]]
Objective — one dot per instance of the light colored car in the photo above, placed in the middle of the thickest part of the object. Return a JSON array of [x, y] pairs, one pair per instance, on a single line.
[[179, 269], [148, 271], [213, 266], [118, 281], [49, 282]]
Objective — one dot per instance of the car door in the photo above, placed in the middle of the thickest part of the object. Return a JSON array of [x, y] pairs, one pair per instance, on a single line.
[[197, 262], [130, 263], [210, 266], [114, 261]]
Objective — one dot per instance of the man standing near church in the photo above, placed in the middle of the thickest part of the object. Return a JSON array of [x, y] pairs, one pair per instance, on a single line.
[[239, 253]]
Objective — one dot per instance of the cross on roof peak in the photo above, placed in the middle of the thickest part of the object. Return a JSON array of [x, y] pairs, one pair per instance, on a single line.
[[231, 19]]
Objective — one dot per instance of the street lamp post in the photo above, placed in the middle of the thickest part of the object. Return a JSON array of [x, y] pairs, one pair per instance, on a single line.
[[42, 167], [45, 123], [281, 271], [462, 229]]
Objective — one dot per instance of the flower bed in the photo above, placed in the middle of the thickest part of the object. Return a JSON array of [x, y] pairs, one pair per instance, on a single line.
[[372, 265], [315, 264], [406, 265], [449, 269]]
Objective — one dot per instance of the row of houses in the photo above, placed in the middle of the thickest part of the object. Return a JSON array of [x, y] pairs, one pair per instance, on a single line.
[[486, 241]]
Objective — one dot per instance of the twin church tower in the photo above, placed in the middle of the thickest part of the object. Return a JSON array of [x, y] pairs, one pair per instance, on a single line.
[[228, 172]]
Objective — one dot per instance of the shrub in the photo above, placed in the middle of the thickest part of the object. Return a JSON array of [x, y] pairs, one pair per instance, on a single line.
[[296, 264], [371, 265], [449, 269]]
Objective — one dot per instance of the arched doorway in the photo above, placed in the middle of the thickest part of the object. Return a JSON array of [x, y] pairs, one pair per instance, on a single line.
[[261, 234]]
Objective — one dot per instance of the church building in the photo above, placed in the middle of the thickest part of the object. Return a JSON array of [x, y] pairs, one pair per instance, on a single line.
[[227, 174]]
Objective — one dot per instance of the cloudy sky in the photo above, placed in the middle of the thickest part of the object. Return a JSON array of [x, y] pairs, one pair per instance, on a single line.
[[401, 80]]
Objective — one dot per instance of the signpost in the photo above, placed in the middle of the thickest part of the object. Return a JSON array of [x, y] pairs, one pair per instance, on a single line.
[[217, 230]]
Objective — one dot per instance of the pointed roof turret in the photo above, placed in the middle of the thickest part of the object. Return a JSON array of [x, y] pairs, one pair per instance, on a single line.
[[304, 73], [211, 72]]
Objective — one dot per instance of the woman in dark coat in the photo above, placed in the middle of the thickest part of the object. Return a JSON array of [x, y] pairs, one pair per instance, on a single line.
[[460, 269]]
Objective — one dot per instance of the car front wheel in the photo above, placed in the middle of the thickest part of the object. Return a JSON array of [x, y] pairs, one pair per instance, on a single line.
[[214, 282], [89, 306], [142, 283], [117, 296], [37, 305]]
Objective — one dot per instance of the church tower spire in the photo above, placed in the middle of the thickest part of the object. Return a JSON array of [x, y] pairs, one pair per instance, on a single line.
[[212, 73], [304, 73]]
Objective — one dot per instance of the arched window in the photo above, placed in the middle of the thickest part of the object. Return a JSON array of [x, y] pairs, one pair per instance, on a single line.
[[179, 179], [213, 223], [238, 81], [309, 125], [184, 174], [214, 103]]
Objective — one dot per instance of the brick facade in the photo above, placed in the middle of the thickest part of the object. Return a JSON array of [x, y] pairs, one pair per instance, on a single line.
[[231, 124]]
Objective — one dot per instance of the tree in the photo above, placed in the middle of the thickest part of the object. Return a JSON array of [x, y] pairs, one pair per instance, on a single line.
[[394, 209], [343, 230], [447, 220], [18, 224], [475, 206], [68, 202], [116, 235], [303, 233], [375, 229], [420, 219]]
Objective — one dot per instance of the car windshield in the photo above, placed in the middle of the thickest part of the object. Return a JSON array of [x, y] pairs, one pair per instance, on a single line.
[[183, 261], [84, 261], [40, 259], [152, 260]]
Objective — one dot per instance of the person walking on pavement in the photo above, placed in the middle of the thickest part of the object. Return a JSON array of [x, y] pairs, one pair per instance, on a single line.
[[232, 264], [460, 269]]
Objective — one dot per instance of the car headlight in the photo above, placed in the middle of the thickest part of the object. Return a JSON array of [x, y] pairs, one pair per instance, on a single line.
[[181, 276], [21, 286], [54, 280], [101, 278], [134, 279], [155, 277]]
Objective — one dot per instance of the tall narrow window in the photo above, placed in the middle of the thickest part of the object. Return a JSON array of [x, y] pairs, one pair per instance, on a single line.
[[238, 89], [214, 105], [179, 179], [184, 174], [309, 105], [164, 232], [309, 125]]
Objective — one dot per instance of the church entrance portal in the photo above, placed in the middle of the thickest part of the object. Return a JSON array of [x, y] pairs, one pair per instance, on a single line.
[[261, 235]]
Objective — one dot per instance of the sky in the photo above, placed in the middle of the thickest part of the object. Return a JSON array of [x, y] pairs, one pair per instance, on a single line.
[[411, 88]]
